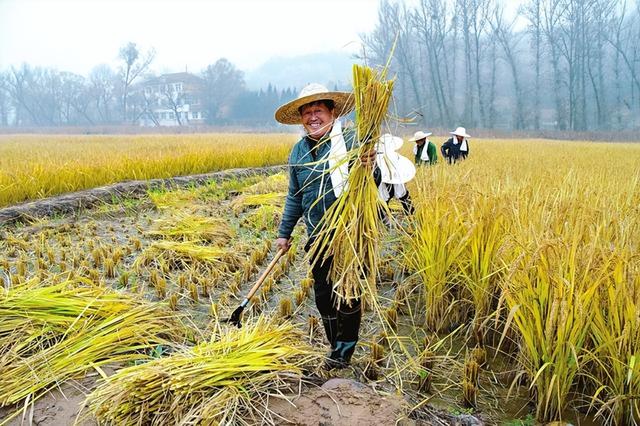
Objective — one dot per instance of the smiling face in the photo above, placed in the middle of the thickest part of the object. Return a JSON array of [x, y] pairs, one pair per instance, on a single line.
[[317, 119]]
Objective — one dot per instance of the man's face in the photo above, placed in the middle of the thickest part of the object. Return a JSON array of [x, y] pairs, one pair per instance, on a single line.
[[460, 138], [420, 142], [317, 119]]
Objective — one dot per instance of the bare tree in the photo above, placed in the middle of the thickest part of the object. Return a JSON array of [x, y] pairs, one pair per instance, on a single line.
[[509, 40], [174, 99], [405, 53], [4, 99], [102, 88], [533, 12], [134, 64], [475, 18], [36, 93], [430, 20], [223, 84], [75, 99], [552, 13], [626, 42]]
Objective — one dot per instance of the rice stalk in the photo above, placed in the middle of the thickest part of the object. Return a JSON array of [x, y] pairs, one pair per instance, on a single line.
[[247, 201], [189, 227]]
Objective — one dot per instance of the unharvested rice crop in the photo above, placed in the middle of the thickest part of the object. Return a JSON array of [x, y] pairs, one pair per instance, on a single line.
[[538, 241], [37, 166]]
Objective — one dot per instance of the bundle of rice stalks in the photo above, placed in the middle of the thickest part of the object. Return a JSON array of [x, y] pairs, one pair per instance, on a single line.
[[177, 199], [184, 254], [350, 229], [264, 218], [274, 183], [187, 227], [247, 201], [226, 381], [51, 333]]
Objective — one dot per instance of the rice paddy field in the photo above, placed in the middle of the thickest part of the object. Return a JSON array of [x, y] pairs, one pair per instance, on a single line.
[[512, 294], [33, 166]]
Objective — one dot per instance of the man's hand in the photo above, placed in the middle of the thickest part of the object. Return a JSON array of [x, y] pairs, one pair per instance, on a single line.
[[368, 159], [283, 244]]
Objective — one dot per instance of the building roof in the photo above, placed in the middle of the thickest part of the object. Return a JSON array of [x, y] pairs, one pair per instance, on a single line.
[[178, 77]]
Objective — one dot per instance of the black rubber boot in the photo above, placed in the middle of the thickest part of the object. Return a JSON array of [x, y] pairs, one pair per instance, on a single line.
[[331, 329], [348, 322], [340, 356]]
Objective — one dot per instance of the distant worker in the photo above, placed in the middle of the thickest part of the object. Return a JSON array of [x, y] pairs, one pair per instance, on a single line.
[[422, 155], [456, 147], [396, 170]]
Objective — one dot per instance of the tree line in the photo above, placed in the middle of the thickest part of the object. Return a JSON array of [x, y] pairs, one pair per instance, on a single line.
[[559, 64], [41, 96]]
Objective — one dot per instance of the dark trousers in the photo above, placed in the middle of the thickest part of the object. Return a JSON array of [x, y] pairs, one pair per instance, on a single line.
[[407, 204], [340, 324]]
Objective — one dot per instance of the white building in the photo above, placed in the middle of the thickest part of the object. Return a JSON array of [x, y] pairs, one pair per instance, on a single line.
[[171, 100]]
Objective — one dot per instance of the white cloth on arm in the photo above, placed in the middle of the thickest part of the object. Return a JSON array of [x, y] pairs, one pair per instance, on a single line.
[[338, 164], [464, 147], [424, 155]]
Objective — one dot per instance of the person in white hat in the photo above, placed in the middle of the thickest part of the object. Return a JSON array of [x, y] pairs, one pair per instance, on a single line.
[[456, 147], [395, 170], [425, 151], [318, 174]]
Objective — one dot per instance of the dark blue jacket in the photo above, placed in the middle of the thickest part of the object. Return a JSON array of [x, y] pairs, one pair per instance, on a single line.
[[307, 177], [451, 152]]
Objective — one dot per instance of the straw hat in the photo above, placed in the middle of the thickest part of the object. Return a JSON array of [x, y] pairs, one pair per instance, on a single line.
[[394, 168], [289, 113], [460, 131], [420, 135]]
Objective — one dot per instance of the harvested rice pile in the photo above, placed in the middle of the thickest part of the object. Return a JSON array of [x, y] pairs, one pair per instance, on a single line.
[[224, 381]]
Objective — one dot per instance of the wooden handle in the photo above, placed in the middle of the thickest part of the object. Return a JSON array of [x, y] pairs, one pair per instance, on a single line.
[[264, 275]]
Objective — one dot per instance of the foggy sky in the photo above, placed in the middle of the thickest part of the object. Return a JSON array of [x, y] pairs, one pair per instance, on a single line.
[[75, 35]]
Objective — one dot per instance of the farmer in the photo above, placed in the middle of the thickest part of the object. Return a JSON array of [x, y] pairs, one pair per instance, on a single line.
[[457, 146], [396, 170], [316, 178], [422, 155]]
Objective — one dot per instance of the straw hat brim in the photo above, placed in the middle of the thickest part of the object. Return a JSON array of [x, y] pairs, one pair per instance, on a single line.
[[395, 168], [464, 135], [426, 135], [289, 113]]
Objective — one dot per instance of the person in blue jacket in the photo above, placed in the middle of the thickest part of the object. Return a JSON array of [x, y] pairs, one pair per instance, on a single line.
[[316, 179], [456, 148]]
